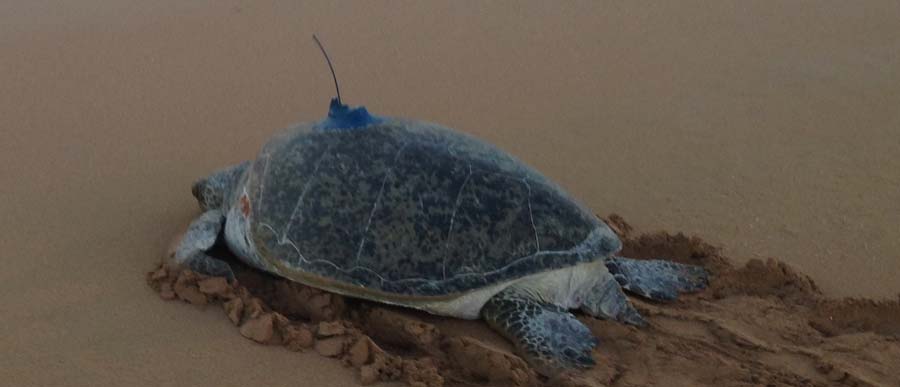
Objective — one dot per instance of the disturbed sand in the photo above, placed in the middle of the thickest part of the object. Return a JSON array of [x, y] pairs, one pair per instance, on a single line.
[[771, 130], [762, 323]]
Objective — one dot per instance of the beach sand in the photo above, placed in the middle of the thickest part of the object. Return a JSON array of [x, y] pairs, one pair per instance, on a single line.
[[762, 323], [770, 130]]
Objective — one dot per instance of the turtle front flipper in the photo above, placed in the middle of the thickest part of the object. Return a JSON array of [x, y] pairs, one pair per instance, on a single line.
[[200, 236], [658, 280], [547, 337]]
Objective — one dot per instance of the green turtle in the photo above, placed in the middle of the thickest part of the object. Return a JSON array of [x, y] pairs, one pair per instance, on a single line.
[[414, 214]]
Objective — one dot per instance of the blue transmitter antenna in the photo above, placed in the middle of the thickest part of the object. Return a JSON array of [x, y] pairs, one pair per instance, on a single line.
[[330, 67]]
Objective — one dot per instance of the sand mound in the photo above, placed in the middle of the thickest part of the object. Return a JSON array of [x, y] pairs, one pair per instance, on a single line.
[[763, 323]]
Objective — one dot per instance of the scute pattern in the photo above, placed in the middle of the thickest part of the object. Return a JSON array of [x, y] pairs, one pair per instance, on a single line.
[[412, 208]]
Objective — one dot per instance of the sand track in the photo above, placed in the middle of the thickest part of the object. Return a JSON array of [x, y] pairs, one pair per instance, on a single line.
[[763, 323]]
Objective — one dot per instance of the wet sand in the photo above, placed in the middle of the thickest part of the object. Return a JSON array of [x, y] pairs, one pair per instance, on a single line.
[[769, 130]]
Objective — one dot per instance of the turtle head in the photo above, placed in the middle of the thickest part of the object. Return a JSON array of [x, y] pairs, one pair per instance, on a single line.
[[212, 190]]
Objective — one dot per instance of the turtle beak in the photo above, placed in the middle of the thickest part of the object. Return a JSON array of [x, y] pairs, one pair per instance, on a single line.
[[197, 190]]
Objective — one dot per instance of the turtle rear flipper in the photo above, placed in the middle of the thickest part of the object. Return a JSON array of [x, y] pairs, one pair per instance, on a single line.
[[547, 336], [605, 299], [200, 236], [658, 280]]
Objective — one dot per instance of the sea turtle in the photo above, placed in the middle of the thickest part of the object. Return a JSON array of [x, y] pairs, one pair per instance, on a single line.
[[414, 214]]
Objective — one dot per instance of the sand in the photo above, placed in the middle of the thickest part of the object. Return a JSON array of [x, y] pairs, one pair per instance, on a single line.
[[769, 130], [762, 323]]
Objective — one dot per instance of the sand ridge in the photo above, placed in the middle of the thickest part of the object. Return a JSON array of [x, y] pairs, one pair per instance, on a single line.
[[763, 323]]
